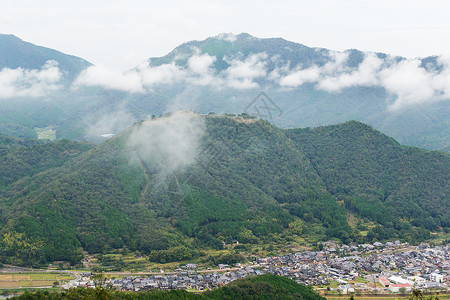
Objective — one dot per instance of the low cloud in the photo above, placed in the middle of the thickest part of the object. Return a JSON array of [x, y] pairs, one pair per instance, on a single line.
[[111, 79], [163, 74], [30, 83], [229, 37], [106, 123], [241, 74], [199, 71], [167, 144], [364, 75], [300, 76], [405, 80]]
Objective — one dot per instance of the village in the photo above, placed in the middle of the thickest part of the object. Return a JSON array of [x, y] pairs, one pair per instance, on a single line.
[[376, 268]]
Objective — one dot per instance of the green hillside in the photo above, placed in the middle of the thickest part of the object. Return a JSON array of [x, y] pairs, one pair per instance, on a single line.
[[23, 159], [377, 177], [250, 181]]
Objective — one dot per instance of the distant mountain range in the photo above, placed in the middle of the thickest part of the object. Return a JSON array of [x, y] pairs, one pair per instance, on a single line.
[[15, 53], [223, 74], [179, 183]]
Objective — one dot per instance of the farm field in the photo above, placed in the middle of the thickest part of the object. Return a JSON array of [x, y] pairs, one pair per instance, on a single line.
[[24, 280]]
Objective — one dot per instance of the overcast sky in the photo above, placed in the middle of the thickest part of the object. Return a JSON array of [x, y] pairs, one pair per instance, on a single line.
[[121, 34]]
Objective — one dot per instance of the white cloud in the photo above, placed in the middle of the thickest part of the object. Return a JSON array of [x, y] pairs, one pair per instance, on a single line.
[[142, 78], [240, 74], [100, 76], [201, 70], [230, 37], [107, 123], [405, 80], [167, 144], [163, 74], [409, 82], [365, 75], [30, 83], [201, 64], [299, 77], [337, 62]]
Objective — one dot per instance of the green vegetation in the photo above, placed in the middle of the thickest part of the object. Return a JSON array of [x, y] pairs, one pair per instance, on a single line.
[[10, 281], [269, 186], [260, 287], [404, 190], [46, 133]]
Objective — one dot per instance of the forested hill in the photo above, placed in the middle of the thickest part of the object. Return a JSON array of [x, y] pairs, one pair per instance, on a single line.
[[376, 176], [176, 184], [8, 142], [20, 158]]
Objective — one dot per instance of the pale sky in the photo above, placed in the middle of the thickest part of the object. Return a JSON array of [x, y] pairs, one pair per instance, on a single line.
[[121, 34]]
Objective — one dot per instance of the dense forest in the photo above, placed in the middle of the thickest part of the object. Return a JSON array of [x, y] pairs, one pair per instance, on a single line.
[[251, 182], [259, 287]]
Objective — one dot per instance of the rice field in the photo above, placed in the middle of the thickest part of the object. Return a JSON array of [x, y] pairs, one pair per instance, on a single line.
[[12, 281]]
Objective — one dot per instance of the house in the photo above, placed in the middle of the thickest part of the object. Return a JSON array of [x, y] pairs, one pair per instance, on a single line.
[[399, 287], [384, 282], [346, 289], [191, 266], [435, 277], [432, 285]]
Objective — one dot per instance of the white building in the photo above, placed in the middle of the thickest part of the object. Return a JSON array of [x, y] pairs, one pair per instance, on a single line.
[[395, 288], [435, 277], [398, 280], [346, 289]]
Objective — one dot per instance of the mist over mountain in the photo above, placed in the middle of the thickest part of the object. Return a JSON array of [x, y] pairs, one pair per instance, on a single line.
[[183, 182], [404, 98]]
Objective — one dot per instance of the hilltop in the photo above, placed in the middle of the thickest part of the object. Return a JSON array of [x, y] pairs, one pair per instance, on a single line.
[[179, 183]]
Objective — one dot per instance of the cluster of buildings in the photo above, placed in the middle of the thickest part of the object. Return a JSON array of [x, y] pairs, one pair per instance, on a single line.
[[367, 268]]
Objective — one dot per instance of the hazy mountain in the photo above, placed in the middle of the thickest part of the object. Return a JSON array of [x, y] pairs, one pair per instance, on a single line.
[[404, 98], [15, 53], [180, 183]]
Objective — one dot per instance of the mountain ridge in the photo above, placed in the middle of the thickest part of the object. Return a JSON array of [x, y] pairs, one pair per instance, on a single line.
[[263, 185], [16, 53], [210, 76]]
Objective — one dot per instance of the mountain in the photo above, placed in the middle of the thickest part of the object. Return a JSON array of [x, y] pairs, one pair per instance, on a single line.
[[15, 53], [373, 173], [223, 74], [179, 183], [312, 86], [35, 87]]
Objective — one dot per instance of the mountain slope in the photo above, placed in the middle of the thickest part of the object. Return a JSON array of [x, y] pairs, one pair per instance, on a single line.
[[248, 180], [15, 53], [100, 201], [28, 157], [374, 174]]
